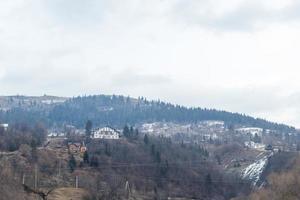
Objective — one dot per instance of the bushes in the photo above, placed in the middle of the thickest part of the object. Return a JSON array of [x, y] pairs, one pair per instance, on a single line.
[[284, 185], [160, 164], [21, 134]]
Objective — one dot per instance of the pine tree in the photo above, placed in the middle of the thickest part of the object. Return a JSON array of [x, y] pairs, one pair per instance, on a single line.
[[126, 131], [107, 150], [34, 155], [86, 157], [164, 168], [94, 161], [256, 138], [136, 133], [153, 150], [72, 163], [88, 130], [146, 139], [131, 132], [158, 159], [208, 183], [298, 147]]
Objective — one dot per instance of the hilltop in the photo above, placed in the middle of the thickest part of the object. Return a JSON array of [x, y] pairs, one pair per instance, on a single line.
[[116, 111], [8, 103]]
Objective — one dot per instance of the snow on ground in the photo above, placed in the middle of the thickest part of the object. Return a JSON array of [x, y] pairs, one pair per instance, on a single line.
[[253, 145], [204, 129], [250, 130], [212, 123], [254, 171], [149, 128], [53, 101]]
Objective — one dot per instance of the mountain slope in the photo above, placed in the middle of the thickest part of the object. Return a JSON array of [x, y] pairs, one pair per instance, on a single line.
[[119, 110]]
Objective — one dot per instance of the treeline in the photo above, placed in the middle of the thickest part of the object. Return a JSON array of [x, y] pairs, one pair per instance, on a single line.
[[150, 166], [119, 110], [22, 134], [156, 168]]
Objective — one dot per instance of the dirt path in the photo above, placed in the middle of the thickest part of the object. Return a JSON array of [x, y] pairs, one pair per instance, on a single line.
[[67, 194]]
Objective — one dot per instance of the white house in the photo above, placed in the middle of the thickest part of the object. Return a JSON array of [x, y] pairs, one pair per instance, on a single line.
[[106, 133], [55, 134], [4, 126]]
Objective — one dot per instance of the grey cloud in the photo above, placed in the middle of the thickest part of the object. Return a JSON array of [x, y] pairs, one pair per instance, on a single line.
[[58, 46], [243, 18], [93, 13], [262, 102], [76, 12], [246, 100], [130, 77]]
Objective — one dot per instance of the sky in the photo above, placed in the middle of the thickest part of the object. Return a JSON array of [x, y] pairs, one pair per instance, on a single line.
[[235, 55]]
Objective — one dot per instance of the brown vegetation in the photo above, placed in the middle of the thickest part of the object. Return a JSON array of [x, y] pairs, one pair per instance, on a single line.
[[281, 186], [116, 169]]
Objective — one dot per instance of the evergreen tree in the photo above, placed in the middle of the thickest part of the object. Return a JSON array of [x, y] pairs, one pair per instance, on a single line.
[[94, 161], [164, 168], [208, 183], [72, 163], [206, 153], [126, 131], [87, 107], [157, 157], [34, 155], [131, 132], [86, 157], [153, 150], [256, 138], [107, 150], [182, 144], [146, 139], [88, 128], [136, 133], [218, 159], [298, 147]]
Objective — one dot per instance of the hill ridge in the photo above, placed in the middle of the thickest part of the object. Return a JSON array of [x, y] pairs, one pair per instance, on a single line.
[[118, 110]]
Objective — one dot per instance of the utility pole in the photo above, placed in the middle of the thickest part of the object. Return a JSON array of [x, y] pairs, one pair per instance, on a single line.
[[76, 182], [35, 177], [59, 168], [127, 190], [23, 179]]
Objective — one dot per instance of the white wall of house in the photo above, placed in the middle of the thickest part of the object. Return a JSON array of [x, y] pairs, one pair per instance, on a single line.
[[4, 126], [106, 133]]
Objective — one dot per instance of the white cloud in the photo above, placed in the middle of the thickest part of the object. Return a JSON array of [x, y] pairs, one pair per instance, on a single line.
[[237, 55]]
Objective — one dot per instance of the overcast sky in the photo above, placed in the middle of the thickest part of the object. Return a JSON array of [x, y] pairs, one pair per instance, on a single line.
[[236, 55]]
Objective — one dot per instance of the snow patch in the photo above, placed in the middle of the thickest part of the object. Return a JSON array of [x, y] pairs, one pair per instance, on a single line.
[[52, 101], [212, 123], [251, 130], [254, 171], [253, 145]]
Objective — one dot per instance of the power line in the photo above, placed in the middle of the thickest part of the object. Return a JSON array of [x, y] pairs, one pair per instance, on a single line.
[[155, 178]]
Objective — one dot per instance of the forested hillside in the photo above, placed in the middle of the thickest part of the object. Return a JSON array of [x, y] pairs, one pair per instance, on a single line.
[[149, 167], [119, 110]]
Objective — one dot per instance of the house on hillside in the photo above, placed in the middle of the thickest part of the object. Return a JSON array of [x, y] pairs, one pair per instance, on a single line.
[[55, 134], [107, 133], [4, 126], [254, 145], [77, 147]]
